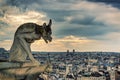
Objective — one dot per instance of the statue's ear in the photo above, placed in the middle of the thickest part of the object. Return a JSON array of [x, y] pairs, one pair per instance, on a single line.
[[50, 23]]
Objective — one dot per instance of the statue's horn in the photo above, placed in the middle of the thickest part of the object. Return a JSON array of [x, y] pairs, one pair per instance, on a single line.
[[50, 23]]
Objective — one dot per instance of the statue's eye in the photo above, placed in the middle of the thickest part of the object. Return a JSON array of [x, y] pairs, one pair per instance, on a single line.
[[49, 32]]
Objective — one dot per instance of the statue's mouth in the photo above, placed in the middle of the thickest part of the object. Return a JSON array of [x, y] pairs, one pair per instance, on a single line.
[[48, 40]]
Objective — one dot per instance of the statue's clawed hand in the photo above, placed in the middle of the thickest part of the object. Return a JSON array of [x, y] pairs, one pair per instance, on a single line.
[[48, 68], [35, 62]]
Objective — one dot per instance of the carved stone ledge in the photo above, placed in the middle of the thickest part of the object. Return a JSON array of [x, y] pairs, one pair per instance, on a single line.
[[18, 71]]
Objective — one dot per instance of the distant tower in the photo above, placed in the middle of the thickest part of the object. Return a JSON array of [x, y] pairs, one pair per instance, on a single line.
[[73, 50], [67, 51]]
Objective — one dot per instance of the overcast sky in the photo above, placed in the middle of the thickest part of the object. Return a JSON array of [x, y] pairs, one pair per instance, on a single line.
[[83, 25]]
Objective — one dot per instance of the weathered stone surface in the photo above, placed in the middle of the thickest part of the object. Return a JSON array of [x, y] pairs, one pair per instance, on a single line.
[[6, 65], [16, 68], [26, 71], [24, 36]]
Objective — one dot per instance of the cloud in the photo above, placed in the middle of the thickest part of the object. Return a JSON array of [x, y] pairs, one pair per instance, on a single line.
[[58, 15], [2, 33], [89, 31], [72, 42], [13, 17], [85, 20], [77, 43], [90, 22], [114, 3], [6, 44], [70, 1], [72, 38], [30, 16], [3, 24], [62, 44]]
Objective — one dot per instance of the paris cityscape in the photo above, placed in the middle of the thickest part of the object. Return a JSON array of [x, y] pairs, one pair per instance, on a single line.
[[76, 39], [73, 65]]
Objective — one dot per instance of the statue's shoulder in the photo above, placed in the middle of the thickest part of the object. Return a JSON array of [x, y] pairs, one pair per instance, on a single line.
[[27, 27]]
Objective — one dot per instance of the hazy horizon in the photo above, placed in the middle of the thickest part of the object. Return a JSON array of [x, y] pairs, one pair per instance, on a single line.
[[83, 25]]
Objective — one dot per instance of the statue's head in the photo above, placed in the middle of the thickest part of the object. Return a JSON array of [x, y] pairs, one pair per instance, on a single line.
[[47, 32]]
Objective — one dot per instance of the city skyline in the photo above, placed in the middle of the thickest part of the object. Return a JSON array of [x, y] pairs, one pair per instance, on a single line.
[[83, 25]]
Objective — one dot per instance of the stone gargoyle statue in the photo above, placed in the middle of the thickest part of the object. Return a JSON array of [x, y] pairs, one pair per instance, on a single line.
[[24, 36], [18, 68]]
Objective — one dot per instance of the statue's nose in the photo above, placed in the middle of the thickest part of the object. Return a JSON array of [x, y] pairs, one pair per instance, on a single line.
[[50, 39]]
